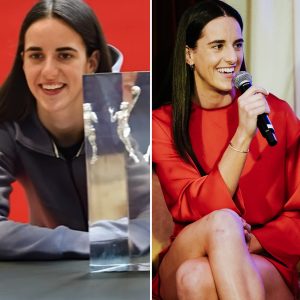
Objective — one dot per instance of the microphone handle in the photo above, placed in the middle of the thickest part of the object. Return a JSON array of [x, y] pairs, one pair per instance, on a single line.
[[263, 122], [266, 129]]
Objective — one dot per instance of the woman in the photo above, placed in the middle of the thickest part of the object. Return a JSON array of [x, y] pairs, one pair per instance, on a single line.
[[41, 131], [234, 199]]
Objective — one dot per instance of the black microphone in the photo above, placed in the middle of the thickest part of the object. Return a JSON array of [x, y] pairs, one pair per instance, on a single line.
[[243, 81]]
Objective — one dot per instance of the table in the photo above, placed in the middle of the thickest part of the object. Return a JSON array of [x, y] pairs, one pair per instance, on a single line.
[[63, 280]]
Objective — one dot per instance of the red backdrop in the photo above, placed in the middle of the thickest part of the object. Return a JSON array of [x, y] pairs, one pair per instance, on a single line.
[[126, 25]]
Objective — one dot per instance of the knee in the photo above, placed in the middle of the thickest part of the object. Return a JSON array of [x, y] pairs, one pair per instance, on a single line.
[[194, 280], [223, 219], [224, 224]]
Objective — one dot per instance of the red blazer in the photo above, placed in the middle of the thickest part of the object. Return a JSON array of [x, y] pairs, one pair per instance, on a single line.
[[268, 195]]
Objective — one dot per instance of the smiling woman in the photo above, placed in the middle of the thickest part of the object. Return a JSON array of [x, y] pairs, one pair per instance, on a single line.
[[232, 238], [53, 69], [216, 57], [40, 116], [41, 130], [124, 38]]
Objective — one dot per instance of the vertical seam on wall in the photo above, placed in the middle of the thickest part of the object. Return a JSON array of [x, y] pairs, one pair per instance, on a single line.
[[293, 12], [293, 54], [248, 32]]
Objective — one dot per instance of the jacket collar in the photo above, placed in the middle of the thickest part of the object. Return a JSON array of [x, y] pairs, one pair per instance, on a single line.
[[31, 134]]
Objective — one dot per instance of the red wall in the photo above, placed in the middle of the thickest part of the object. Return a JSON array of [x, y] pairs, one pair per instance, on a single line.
[[126, 25]]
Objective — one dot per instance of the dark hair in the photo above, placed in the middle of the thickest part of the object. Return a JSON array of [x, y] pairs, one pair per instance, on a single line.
[[16, 100], [189, 31]]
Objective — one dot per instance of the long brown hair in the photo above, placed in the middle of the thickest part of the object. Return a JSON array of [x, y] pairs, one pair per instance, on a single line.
[[16, 100], [189, 31]]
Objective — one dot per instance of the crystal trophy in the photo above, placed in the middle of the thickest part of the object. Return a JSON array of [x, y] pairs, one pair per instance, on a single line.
[[116, 113]]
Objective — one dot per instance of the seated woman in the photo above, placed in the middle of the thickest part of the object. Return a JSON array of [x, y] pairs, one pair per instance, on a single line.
[[234, 199]]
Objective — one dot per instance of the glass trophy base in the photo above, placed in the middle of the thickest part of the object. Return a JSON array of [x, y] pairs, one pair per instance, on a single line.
[[113, 256], [96, 268]]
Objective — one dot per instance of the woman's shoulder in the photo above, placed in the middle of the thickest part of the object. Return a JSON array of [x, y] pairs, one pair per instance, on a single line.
[[162, 121], [278, 104], [18, 128], [7, 128], [7, 142], [163, 114], [282, 113]]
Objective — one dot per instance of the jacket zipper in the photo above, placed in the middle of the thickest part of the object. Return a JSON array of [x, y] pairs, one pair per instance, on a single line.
[[69, 165]]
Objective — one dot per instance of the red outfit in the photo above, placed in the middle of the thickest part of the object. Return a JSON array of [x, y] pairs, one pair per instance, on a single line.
[[268, 195]]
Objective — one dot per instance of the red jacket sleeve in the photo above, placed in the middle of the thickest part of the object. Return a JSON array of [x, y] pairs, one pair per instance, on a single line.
[[188, 195], [281, 236]]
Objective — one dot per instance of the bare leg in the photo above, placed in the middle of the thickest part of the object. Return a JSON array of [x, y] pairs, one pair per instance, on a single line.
[[194, 280], [275, 287], [218, 236]]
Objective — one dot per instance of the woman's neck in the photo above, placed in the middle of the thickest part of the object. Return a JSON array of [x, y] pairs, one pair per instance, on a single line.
[[213, 99], [66, 128]]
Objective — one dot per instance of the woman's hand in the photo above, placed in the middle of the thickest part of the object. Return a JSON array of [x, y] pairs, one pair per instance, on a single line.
[[251, 104], [254, 245], [247, 231]]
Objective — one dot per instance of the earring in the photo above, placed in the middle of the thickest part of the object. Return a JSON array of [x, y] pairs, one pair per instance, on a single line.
[[192, 66]]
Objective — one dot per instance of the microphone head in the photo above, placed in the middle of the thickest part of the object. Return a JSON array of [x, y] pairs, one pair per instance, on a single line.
[[242, 77]]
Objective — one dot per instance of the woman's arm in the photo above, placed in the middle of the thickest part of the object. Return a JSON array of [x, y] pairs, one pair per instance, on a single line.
[[190, 196], [24, 241], [281, 236], [251, 104], [186, 192]]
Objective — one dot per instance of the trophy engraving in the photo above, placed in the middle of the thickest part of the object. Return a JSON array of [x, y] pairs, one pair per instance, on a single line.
[[147, 154], [122, 119], [90, 118]]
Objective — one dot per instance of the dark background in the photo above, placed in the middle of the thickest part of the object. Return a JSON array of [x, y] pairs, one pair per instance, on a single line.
[[165, 18]]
